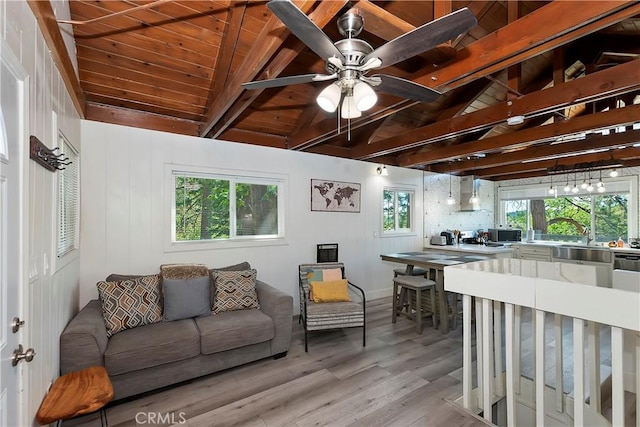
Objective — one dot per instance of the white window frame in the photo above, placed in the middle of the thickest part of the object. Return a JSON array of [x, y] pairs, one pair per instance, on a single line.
[[70, 233], [235, 176], [625, 184], [404, 231]]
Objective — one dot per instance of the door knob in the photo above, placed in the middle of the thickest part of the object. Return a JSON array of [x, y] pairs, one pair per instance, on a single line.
[[16, 323], [18, 355]]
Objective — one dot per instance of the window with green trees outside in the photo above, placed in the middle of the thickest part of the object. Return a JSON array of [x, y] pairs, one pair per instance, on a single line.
[[571, 218], [397, 208], [225, 207]]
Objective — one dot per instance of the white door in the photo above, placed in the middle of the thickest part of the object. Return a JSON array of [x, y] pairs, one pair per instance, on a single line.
[[12, 221]]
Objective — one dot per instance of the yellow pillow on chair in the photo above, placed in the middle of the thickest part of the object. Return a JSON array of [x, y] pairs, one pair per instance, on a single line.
[[330, 291]]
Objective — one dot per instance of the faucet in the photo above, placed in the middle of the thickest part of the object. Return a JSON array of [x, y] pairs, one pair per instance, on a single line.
[[587, 234]]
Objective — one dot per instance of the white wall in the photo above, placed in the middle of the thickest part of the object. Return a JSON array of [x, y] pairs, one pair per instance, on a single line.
[[51, 295], [125, 205], [440, 216]]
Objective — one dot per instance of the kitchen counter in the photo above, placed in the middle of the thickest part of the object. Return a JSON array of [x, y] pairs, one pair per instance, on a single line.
[[491, 251]]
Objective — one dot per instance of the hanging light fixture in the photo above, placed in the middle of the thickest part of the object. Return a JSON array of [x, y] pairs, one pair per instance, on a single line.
[[551, 189], [474, 197], [575, 183], [613, 173], [567, 188], [450, 200], [600, 184], [584, 184], [590, 187]]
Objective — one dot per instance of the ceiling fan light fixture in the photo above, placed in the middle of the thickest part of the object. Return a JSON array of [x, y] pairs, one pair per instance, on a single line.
[[364, 96], [329, 98], [349, 109]]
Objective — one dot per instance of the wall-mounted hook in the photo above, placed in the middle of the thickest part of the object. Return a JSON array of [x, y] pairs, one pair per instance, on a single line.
[[45, 157]]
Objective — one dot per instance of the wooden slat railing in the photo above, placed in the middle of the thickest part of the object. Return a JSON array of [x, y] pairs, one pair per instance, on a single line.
[[500, 289]]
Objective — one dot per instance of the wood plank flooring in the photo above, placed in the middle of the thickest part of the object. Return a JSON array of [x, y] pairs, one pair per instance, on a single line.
[[399, 379]]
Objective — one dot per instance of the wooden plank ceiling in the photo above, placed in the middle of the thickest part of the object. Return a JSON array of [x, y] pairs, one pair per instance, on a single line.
[[572, 71]]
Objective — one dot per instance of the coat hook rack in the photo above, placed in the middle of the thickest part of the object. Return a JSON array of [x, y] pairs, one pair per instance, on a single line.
[[46, 157]]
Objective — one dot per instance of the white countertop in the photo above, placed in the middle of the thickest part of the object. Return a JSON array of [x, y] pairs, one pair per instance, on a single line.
[[554, 244], [476, 249]]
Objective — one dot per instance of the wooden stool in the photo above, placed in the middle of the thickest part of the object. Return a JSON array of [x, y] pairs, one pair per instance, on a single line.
[[414, 286], [77, 393], [403, 301]]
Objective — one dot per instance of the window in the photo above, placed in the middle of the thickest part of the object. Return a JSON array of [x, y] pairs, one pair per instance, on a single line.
[[216, 207], [67, 199], [397, 208], [599, 217]]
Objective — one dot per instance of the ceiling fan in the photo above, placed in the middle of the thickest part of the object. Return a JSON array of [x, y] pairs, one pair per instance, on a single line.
[[350, 59]]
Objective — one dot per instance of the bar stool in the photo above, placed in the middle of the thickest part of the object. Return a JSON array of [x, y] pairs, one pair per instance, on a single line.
[[414, 286], [403, 302]]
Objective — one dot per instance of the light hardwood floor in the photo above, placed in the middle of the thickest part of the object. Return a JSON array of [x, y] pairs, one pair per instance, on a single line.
[[399, 379]]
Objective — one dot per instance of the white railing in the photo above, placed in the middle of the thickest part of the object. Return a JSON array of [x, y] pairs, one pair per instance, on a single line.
[[501, 291]]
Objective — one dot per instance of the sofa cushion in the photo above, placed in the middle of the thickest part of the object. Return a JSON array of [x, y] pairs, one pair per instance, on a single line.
[[235, 267], [151, 345], [130, 303], [233, 329], [186, 298], [235, 290], [183, 271]]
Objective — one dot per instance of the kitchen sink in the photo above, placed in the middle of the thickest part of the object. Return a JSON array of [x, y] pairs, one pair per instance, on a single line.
[[582, 253]]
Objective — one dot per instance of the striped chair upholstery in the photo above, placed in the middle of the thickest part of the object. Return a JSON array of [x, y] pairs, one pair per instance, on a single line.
[[330, 315]]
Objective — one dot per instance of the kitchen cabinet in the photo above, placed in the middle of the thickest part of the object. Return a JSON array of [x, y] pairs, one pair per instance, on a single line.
[[533, 252]]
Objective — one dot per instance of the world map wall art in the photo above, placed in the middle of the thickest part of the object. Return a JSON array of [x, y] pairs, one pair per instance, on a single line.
[[335, 196]]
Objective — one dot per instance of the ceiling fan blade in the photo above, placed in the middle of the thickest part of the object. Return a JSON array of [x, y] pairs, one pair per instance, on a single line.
[[425, 37], [285, 81], [405, 88], [304, 28]]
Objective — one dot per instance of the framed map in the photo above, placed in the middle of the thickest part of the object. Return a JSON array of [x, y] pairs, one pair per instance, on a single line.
[[335, 196]]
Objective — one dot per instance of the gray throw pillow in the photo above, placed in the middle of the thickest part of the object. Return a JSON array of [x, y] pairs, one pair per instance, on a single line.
[[186, 298]]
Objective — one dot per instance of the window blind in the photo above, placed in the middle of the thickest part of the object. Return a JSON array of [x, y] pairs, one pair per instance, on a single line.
[[67, 200]]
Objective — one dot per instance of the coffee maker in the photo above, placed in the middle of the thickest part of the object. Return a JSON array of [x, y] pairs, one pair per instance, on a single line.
[[449, 236]]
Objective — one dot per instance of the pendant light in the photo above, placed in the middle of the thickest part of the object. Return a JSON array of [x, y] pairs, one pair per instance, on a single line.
[[551, 190], [600, 184], [450, 200], [613, 173], [474, 197], [575, 189], [567, 188]]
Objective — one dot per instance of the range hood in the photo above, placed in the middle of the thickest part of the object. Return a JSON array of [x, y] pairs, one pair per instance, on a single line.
[[466, 191]]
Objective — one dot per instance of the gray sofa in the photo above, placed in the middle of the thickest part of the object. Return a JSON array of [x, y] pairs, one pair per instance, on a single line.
[[160, 354]]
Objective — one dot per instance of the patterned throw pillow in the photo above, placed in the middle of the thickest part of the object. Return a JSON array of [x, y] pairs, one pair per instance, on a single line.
[[235, 290], [130, 303]]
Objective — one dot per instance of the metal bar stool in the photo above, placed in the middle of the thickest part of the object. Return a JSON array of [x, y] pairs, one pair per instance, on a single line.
[[414, 286]]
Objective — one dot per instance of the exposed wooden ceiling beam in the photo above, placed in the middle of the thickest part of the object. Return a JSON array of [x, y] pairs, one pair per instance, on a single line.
[[522, 138], [321, 17], [273, 35], [592, 142], [138, 119], [227, 48], [509, 45], [536, 173], [255, 138], [516, 42], [542, 166], [619, 79], [51, 32]]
